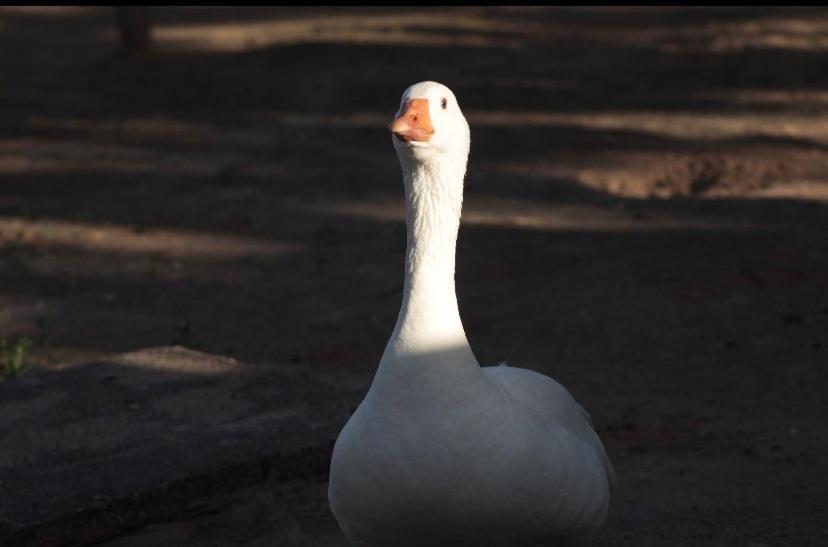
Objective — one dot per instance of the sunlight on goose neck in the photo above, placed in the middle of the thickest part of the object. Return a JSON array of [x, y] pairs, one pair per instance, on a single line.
[[434, 198], [429, 337]]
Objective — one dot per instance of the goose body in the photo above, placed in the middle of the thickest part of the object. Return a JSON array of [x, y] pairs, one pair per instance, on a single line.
[[442, 451]]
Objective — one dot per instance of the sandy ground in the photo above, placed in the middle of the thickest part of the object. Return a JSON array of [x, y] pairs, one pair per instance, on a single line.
[[646, 219]]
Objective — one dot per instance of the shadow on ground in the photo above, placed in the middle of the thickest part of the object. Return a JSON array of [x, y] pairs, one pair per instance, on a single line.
[[645, 219]]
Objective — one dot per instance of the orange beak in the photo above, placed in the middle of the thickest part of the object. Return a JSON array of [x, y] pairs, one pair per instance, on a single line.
[[414, 124]]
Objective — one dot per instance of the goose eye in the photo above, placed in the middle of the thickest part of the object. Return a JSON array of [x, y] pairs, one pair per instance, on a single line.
[[444, 103]]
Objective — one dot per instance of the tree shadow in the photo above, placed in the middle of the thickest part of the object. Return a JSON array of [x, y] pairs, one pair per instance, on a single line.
[[157, 434], [663, 315]]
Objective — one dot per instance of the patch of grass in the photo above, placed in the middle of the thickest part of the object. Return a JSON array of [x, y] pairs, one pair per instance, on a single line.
[[14, 356]]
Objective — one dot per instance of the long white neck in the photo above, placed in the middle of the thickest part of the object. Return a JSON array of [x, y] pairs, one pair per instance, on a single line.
[[428, 343]]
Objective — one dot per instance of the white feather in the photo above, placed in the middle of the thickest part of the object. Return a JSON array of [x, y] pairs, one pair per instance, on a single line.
[[442, 451]]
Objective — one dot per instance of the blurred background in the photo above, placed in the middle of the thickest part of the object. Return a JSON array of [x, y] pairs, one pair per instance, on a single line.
[[645, 219]]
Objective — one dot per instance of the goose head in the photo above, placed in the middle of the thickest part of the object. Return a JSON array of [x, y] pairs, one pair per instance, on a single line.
[[429, 125]]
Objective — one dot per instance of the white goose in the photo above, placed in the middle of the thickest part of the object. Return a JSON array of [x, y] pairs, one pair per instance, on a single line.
[[442, 451]]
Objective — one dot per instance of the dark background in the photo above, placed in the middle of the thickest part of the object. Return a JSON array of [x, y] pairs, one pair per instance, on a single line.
[[645, 220]]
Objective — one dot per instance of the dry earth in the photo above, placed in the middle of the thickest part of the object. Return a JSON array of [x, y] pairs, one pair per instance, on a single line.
[[646, 219]]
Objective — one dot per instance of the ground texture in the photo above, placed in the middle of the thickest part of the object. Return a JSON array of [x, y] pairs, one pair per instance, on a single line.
[[646, 220]]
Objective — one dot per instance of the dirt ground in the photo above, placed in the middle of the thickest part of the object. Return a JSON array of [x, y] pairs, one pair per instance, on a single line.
[[646, 220]]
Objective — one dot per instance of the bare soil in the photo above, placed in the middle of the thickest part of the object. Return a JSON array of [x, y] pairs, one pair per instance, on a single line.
[[646, 220]]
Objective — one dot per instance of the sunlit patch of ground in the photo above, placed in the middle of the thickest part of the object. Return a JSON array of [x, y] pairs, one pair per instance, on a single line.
[[46, 11], [466, 29], [557, 218], [492, 27], [677, 124], [813, 99], [645, 218], [751, 172], [113, 239], [807, 34], [716, 154]]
